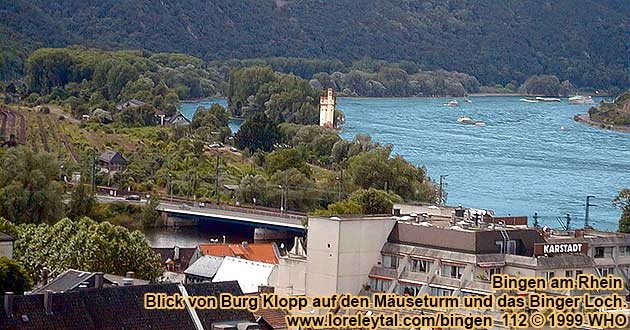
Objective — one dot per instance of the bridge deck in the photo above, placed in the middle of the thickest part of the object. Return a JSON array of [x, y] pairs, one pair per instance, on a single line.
[[276, 219]]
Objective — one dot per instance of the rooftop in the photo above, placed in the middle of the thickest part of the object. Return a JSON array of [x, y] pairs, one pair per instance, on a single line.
[[117, 308], [72, 279], [249, 274], [6, 238], [206, 266], [261, 252]]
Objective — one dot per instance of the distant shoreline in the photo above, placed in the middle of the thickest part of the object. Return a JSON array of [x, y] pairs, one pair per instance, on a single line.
[[585, 119]]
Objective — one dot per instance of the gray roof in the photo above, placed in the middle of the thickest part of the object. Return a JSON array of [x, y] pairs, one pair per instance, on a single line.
[[6, 238], [120, 308], [131, 103], [178, 118], [111, 156], [72, 279], [206, 266]]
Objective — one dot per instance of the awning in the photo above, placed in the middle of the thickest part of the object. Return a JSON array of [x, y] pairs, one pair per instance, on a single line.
[[380, 278], [491, 264], [412, 282], [476, 292]]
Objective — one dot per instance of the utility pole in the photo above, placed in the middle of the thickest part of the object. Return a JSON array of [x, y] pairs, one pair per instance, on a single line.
[[217, 182], [93, 170], [441, 201], [586, 213], [286, 194], [170, 186], [340, 185]]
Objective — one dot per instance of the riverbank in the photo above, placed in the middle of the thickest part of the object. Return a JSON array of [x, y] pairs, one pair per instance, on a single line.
[[585, 119]]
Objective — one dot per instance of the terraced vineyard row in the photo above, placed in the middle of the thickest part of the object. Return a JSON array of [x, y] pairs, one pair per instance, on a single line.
[[60, 135], [13, 123]]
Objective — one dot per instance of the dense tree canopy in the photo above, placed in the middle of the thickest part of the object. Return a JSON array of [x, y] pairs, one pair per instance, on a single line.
[[89, 79], [13, 277], [495, 41], [283, 97], [29, 187], [257, 133], [86, 245], [616, 113]]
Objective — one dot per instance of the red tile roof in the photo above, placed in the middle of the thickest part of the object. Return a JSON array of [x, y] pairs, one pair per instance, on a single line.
[[261, 252]]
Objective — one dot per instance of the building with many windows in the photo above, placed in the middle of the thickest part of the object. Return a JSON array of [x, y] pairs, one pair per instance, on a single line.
[[449, 256]]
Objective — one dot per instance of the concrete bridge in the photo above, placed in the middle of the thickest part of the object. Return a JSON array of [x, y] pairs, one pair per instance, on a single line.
[[234, 214]]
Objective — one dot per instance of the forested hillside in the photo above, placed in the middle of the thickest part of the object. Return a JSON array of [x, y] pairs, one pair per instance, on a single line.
[[495, 41]]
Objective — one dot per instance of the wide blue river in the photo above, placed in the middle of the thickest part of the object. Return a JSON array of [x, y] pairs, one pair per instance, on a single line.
[[530, 157]]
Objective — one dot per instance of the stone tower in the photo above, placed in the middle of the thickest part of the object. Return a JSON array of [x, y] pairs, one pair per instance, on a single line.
[[327, 109]]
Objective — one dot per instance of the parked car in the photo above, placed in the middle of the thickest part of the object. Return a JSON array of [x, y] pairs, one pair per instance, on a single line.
[[133, 198]]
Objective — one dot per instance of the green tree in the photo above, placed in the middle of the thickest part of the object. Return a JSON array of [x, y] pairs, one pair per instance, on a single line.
[[543, 85], [150, 214], [29, 190], [82, 202], [284, 159], [13, 277], [370, 201], [374, 201], [623, 201], [87, 245], [258, 133]]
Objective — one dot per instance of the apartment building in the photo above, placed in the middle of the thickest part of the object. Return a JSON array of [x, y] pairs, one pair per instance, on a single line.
[[442, 255]]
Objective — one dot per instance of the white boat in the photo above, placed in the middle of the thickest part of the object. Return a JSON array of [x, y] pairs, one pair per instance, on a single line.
[[580, 99], [467, 100], [467, 121], [452, 103], [530, 100], [547, 99]]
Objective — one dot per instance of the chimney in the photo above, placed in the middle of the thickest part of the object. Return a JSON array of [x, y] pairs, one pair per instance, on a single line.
[[128, 280], [579, 233], [45, 275], [245, 244], [48, 302], [98, 280], [8, 303], [176, 253]]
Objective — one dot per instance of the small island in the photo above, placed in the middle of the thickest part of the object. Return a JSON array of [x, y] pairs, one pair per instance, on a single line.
[[609, 115]]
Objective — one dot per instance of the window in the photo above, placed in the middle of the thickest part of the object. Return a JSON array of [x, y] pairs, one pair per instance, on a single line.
[[549, 275], [603, 252], [493, 271], [510, 249], [439, 292], [452, 271], [568, 273], [624, 250], [419, 265], [379, 285], [410, 289], [390, 261], [603, 272]]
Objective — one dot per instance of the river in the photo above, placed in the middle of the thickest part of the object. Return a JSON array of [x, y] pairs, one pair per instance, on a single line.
[[530, 157]]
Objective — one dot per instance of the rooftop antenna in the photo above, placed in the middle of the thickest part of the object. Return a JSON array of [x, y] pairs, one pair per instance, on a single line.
[[586, 213]]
